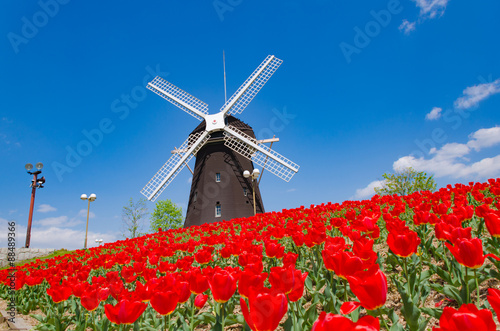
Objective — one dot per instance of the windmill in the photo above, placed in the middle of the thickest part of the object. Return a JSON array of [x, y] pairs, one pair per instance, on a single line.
[[218, 189]]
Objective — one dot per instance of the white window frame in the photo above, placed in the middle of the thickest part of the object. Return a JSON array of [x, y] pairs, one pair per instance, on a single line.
[[218, 210]]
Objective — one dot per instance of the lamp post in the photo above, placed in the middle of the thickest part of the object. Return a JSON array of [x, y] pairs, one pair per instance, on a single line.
[[92, 197], [35, 183], [98, 241], [255, 174]]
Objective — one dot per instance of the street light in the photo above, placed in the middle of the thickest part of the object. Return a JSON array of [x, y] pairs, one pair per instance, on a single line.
[[92, 197], [35, 183], [98, 241], [255, 174]]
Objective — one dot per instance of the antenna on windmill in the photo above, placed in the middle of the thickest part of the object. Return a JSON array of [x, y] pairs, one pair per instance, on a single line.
[[224, 63]]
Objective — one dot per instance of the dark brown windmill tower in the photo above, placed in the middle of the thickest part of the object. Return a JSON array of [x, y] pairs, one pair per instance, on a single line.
[[224, 147]]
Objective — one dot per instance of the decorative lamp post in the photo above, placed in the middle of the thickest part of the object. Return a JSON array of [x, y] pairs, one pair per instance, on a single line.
[[35, 183], [255, 174], [98, 241], [92, 197]]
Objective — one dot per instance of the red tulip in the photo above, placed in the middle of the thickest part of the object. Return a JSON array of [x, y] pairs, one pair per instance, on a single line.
[[363, 248], [124, 312], [198, 282], [290, 259], [282, 279], [469, 252], [223, 285], [370, 287], [494, 300], [204, 255], [248, 280], [342, 263], [90, 300], [59, 293], [404, 243], [492, 221], [182, 289], [298, 286], [266, 310], [274, 249], [467, 318], [164, 302], [326, 322], [200, 300], [443, 230]]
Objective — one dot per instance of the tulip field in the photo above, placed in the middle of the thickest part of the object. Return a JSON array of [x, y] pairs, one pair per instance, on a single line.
[[418, 262]]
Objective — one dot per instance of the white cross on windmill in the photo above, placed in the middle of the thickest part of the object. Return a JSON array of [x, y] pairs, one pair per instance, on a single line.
[[234, 138]]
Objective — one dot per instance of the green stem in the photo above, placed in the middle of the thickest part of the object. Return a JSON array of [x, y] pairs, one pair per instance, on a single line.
[[294, 318], [466, 286], [405, 268], [383, 321], [345, 290], [223, 318], [191, 326], [477, 289]]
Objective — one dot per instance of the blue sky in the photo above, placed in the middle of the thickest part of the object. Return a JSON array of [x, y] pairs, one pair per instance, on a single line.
[[365, 87]]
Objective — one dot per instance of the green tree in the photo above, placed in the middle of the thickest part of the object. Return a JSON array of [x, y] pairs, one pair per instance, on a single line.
[[167, 215], [133, 217], [405, 182]]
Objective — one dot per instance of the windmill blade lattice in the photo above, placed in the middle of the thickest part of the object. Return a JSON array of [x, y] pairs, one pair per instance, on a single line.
[[260, 154], [242, 97], [185, 101], [174, 165]]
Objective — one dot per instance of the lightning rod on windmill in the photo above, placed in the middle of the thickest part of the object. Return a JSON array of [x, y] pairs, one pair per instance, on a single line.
[[224, 64]]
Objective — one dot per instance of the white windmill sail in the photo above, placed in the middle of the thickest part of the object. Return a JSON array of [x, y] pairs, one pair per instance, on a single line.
[[259, 153], [174, 165], [185, 101], [247, 91]]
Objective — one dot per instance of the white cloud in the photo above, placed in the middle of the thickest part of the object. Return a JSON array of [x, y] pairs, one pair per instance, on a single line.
[[55, 237], [484, 138], [406, 27], [44, 208], [291, 190], [83, 213], [52, 221], [60, 221], [431, 8], [472, 95], [451, 159], [368, 191], [434, 114]]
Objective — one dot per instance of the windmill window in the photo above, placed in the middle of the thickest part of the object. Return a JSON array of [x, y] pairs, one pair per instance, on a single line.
[[245, 191], [218, 209], [195, 196], [217, 177]]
